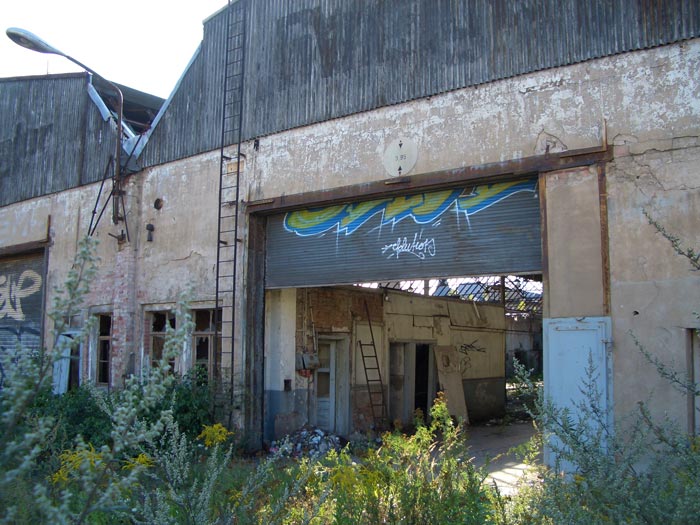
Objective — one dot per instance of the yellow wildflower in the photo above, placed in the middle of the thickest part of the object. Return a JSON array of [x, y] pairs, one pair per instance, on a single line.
[[214, 434], [142, 460], [73, 460]]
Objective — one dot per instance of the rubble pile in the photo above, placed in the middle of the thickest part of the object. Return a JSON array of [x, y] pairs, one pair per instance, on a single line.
[[307, 442]]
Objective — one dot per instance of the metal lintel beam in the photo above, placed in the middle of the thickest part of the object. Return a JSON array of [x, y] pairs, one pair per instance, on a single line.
[[24, 248], [429, 181]]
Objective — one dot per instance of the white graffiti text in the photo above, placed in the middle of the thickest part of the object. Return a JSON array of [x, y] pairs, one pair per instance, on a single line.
[[418, 247], [12, 292]]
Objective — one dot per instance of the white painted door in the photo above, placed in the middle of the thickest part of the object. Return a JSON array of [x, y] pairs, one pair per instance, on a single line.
[[325, 386], [569, 343]]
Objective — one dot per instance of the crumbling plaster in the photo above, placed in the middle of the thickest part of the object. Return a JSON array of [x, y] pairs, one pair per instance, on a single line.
[[654, 292], [182, 255]]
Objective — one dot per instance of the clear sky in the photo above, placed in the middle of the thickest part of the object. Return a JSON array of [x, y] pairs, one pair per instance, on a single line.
[[143, 44]]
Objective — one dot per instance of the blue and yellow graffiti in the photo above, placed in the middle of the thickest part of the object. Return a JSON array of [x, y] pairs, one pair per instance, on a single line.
[[424, 208]]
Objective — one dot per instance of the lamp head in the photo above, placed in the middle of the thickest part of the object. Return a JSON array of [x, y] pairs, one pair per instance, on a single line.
[[24, 38]]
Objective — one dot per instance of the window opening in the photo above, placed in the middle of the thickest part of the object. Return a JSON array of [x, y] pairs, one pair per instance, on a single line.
[[104, 349], [203, 338], [160, 320]]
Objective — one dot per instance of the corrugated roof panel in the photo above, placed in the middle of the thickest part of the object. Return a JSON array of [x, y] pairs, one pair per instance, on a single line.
[[54, 137]]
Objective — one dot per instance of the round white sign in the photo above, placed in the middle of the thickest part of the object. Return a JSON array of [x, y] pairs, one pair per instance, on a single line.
[[400, 156]]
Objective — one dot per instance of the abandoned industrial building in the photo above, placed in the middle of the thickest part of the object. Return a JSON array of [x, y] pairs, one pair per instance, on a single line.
[[367, 202]]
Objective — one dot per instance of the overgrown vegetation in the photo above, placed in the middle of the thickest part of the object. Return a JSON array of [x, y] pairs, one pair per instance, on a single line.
[[151, 453], [641, 470]]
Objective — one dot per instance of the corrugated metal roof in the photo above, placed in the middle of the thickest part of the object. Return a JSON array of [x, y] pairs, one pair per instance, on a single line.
[[314, 60], [53, 137]]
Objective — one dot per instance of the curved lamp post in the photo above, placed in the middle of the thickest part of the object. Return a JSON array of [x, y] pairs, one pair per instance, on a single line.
[[29, 40]]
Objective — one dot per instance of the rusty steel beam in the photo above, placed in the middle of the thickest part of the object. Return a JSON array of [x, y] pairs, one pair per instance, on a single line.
[[604, 236], [500, 171], [542, 188]]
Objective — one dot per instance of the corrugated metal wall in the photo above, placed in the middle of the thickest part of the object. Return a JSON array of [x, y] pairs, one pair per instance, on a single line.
[[52, 138], [313, 60]]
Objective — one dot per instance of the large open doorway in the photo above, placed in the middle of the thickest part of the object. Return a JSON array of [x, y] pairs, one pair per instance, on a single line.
[[455, 269]]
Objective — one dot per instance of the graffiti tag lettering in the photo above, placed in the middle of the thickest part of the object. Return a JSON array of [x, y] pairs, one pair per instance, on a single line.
[[418, 247], [12, 293], [424, 208], [465, 362]]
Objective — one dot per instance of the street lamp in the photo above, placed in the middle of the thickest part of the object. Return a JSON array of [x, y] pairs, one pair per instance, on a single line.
[[29, 40]]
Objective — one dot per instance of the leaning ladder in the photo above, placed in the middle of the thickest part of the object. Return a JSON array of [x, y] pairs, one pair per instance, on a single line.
[[229, 196], [373, 376]]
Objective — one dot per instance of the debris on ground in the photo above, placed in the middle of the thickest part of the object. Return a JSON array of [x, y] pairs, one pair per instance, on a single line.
[[307, 442]]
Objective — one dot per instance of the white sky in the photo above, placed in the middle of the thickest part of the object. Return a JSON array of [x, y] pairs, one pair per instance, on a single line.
[[143, 44]]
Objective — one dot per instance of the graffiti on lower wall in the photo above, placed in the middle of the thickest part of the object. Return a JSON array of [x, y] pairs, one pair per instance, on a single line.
[[21, 301], [13, 291], [424, 208]]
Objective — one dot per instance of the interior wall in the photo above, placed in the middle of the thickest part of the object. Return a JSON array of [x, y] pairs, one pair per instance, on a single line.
[[285, 395]]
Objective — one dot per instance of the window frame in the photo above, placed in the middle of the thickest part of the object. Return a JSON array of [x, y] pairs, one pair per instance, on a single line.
[[210, 334], [100, 339]]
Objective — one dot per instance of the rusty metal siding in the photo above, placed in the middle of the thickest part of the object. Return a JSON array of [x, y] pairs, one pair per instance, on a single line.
[[53, 138]]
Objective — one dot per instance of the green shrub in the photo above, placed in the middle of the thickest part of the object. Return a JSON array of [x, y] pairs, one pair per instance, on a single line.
[[190, 399], [641, 470], [424, 478]]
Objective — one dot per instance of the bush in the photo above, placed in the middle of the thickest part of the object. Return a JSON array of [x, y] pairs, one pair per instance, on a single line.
[[424, 478], [639, 471]]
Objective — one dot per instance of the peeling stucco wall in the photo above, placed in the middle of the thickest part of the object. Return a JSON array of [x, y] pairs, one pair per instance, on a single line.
[[654, 292]]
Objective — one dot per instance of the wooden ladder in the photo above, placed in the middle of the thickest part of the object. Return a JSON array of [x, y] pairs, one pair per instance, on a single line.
[[373, 375]]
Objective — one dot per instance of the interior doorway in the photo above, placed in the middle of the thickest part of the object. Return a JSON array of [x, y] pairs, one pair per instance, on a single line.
[[325, 386], [423, 392], [413, 384]]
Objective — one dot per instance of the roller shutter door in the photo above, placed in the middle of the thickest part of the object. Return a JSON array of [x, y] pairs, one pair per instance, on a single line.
[[474, 230], [21, 301]]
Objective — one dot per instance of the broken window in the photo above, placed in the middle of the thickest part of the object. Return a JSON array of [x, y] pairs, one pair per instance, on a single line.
[[104, 349], [159, 323], [207, 323]]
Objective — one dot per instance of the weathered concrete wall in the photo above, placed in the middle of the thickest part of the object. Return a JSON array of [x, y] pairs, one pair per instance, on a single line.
[[137, 276], [285, 408], [654, 292], [61, 219], [524, 343], [574, 245], [476, 331]]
